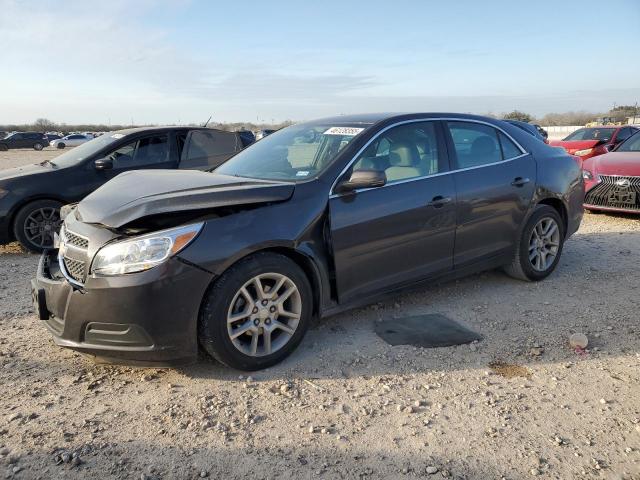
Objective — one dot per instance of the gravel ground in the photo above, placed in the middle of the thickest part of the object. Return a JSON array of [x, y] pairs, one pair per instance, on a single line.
[[26, 156], [518, 404]]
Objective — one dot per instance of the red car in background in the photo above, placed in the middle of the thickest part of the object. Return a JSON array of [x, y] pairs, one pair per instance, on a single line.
[[591, 141], [612, 180]]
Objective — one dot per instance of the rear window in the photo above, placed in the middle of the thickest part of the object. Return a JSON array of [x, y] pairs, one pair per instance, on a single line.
[[603, 134], [208, 148]]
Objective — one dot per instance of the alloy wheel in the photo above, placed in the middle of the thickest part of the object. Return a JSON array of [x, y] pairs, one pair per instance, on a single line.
[[264, 314], [544, 244], [41, 225]]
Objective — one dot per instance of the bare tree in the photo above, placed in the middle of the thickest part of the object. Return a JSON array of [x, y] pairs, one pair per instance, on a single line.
[[43, 125]]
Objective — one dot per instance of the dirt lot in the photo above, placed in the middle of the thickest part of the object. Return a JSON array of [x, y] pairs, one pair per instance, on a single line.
[[346, 404], [26, 156]]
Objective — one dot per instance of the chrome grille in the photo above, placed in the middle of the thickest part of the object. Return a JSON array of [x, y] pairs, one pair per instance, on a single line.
[[73, 258], [606, 193], [76, 240], [75, 268]]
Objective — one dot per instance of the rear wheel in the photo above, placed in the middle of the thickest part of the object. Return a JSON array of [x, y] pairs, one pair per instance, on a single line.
[[38, 146], [36, 223], [540, 246], [257, 313], [3, 147]]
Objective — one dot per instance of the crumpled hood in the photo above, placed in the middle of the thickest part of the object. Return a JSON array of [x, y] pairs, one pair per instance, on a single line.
[[572, 146], [615, 163], [142, 193]]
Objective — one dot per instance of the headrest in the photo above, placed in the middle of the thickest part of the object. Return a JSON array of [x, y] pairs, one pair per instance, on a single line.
[[483, 146], [404, 154]]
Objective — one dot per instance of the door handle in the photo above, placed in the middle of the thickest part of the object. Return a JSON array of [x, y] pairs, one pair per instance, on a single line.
[[439, 201], [520, 182]]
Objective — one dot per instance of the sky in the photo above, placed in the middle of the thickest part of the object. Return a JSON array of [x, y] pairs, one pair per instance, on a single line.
[[181, 61]]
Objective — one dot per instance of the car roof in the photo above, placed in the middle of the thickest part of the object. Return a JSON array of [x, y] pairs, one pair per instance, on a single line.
[[165, 128], [372, 118], [607, 126]]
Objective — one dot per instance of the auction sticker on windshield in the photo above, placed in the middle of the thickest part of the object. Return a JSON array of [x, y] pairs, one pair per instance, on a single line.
[[349, 131]]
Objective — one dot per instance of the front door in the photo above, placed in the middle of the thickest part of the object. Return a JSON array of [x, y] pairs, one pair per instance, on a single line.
[[403, 231], [495, 181]]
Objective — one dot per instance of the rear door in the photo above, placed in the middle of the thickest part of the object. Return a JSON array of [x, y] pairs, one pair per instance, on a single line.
[[207, 149], [401, 232], [495, 181]]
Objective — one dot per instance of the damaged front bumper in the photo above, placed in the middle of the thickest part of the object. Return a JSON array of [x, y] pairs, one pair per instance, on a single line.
[[145, 318]]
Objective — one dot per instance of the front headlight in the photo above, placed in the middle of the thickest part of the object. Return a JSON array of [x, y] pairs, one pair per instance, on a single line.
[[582, 153], [587, 175], [144, 252]]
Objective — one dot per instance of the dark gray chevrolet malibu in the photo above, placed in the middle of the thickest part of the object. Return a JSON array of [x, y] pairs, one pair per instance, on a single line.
[[314, 219]]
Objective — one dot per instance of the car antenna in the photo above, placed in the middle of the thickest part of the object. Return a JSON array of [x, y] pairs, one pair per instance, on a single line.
[[207, 122]]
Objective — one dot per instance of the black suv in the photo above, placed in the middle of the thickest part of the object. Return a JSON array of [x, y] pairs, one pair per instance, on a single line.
[[31, 196], [34, 140]]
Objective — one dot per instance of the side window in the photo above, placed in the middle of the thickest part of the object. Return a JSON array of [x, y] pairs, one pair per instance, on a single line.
[[509, 149], [403, 152], [623, 134], [208, 148], [123, 157], [475, 144], [151, 151]]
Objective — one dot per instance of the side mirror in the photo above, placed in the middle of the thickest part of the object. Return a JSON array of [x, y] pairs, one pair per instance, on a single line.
[[103, 163], [362, 179]]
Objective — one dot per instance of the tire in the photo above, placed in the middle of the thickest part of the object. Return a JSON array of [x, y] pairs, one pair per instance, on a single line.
[[61, 145], [38, 146], [521, 267], [225, 296], [3, 147], [29, 219]]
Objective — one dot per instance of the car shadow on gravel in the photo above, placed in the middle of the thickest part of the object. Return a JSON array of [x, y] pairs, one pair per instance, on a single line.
[[593, 291]]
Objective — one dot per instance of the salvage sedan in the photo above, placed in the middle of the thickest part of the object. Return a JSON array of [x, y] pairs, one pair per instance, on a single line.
[[311, 220]]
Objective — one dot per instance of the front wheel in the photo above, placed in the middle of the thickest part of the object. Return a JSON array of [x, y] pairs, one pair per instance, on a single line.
[[38, 146], [540, 246], [61, 145], [36, 223], [256, 314]]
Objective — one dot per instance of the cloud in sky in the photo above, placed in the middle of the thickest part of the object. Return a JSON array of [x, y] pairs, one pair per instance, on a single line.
[[175, 60]]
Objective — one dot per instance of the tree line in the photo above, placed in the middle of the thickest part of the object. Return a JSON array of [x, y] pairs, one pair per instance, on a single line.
[[617, 113], [46, 125]]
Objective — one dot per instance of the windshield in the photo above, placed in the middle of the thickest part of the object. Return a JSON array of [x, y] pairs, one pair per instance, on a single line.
[[631, 144], [591, 134], [294, 153], [76, 155]]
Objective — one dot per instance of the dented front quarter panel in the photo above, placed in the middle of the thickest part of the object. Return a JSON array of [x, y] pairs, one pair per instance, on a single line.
[[292, 227]]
